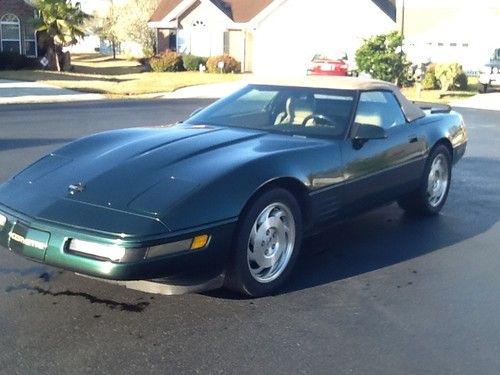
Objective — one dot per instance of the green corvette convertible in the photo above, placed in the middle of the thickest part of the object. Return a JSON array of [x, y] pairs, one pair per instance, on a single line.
[[229, 193]]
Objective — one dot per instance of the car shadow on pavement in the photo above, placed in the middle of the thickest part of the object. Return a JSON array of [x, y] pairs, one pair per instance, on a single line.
[[388, 236]]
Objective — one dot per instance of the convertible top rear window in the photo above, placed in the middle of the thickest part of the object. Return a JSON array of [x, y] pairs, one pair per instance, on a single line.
[[294, 110]]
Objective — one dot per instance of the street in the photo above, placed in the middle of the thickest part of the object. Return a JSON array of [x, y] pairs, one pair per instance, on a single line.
[[384, 293]]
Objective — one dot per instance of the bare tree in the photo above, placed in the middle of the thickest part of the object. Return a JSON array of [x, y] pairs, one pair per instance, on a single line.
[[133, 23], [107, 26]]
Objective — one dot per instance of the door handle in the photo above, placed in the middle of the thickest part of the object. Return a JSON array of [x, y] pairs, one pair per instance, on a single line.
[[413, 138]]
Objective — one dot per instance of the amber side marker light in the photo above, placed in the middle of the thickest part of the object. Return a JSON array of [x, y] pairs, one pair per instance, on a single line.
[[200, 242]]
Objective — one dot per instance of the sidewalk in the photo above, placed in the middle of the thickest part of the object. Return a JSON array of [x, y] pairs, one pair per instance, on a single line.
[[17, 92], [489, 101]]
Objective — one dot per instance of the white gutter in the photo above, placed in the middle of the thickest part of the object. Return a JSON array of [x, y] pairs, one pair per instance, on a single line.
[[163, 25], [266, 12]]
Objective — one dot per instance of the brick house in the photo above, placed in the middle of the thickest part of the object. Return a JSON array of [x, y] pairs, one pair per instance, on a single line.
[[16, 32], [270, 36]]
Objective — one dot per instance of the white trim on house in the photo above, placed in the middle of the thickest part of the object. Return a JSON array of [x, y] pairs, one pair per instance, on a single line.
[[31, 39], [163, 25], [171, 20], [174, 13], [17, 23], [264, 13], [215, 7]]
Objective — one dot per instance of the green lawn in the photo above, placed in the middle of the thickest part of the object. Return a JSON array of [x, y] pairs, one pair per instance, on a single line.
[[120, 77]]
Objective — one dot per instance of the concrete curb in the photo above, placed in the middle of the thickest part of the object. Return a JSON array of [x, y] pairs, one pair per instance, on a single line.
[[19, 92], [208, 91]]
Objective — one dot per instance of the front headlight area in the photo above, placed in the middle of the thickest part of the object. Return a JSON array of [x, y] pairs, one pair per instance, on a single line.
[[120, 254]]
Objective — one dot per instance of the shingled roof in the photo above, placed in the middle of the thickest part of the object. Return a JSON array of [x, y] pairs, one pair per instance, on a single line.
[[164, 8], [242, 11]]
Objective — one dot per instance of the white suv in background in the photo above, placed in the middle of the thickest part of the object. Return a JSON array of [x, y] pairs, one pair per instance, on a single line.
[[489, 74]]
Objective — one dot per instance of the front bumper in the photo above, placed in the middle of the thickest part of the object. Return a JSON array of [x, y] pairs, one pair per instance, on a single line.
[[47, 243]]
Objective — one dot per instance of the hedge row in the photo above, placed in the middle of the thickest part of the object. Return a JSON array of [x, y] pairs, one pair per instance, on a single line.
[[445, 76], [170, 61], [13, 61]]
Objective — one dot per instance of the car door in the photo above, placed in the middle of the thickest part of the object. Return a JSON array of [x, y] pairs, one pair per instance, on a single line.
[[379, 170]]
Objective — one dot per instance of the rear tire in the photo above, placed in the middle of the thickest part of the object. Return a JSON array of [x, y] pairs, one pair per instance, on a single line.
[[267, 244], [431, 196]]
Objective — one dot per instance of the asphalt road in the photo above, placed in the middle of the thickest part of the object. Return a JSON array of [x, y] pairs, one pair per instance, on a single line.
[[380, 294]]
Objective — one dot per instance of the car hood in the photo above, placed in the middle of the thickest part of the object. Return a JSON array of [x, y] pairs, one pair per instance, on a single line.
[[125, 171]]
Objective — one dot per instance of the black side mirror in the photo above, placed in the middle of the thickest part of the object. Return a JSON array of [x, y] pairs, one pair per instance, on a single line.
[[365, 132]]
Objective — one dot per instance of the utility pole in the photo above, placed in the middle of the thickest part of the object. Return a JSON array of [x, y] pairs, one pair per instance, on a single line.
[[403, 19]]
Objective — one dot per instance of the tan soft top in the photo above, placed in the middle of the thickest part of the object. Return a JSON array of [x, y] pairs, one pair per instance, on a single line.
[[411, 111]]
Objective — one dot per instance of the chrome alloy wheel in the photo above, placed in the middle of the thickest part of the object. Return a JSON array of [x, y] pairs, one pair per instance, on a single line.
[[437, 181], [271, 242]]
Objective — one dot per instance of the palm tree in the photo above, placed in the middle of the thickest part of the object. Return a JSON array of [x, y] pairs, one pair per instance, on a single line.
[[60, 24]]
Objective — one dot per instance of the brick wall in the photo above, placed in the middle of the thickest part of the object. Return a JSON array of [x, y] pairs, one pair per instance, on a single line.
[[23, 11]]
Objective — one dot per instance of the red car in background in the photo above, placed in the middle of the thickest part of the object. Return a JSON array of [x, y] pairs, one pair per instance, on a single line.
[[325, 65]]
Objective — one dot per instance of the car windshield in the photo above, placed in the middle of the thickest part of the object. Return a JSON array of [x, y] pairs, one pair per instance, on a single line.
[[331, 56], [292, 110]]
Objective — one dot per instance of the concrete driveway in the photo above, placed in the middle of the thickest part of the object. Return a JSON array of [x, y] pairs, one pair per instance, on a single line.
[[381, 294], [489, 101], [16, 92]]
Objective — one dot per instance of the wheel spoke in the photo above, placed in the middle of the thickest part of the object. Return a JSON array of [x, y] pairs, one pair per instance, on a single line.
[[271, 242], [261, 260], [253, 234], [437, 180]]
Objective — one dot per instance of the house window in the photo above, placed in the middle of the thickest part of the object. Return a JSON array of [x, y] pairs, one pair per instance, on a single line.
[[198, 23], [172, 41], [10, 33], [30, 45]]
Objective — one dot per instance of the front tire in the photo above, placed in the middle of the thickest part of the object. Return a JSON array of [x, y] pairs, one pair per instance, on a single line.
[[482, 88], [430, 198], [267, 243]]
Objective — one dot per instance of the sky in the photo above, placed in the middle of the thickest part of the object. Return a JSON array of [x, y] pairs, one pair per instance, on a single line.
[[89, 6], [448, 3]]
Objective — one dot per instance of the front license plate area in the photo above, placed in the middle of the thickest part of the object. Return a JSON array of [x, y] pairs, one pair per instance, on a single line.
[[27, 241]]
